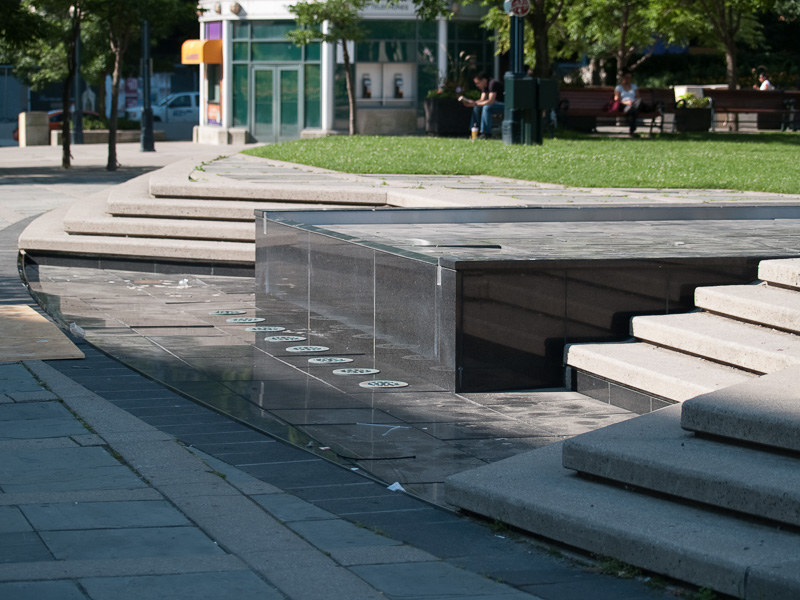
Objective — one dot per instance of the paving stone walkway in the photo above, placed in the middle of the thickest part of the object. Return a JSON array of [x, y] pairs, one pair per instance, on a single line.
[[109, 490]]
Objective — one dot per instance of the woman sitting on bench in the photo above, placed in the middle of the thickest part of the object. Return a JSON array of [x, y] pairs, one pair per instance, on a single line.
[[627, 95]]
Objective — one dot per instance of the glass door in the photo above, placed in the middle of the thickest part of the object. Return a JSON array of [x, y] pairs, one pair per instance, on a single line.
[[276, 102]]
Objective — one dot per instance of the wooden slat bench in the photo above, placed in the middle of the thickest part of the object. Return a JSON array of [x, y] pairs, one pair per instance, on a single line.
[[739, 102], [581, 107]]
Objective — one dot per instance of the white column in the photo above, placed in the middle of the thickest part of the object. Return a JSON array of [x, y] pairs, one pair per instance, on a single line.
[[226, 93], [328, 68], [441, 55]]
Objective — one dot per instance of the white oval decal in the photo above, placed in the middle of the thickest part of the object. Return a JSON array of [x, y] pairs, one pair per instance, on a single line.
[[329, 360], [245, 320], [382, 384], [284, 338], [307, 349], [266, 328], [355, 371]]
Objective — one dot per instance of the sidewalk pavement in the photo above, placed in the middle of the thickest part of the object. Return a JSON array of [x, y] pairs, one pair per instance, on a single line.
[[95, 503]]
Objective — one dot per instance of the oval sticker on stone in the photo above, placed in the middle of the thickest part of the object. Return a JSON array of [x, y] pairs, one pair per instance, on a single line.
[[307, 349], [284, 338], [228, 312], [382, 384], [329, 360], [355, 371], [245, 320], [266, 328]]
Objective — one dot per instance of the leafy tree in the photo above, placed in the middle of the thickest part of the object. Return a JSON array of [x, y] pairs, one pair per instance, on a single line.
[[341, 17], [731, 22], [49, 54], [623, 29], [543, 17]]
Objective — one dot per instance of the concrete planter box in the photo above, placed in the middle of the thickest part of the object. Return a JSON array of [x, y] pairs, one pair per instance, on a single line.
[[100, 136], [693, 119]]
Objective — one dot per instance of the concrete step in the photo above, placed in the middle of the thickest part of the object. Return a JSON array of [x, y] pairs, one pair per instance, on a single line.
[[534, 492], [784, 271], [766, 305], [742, 345], [88, 217], [181, 208], [46, 234], [653, 370], [183, 180], [653, 452], [765, 411]]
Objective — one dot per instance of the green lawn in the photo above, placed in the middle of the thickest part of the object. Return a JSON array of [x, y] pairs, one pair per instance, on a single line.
[[765, 162]]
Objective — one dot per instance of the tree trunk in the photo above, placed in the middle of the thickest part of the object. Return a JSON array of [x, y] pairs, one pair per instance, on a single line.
[[65, 121], [730, 64], [351, 91], [537, 19], [101, 95], [112, 164]]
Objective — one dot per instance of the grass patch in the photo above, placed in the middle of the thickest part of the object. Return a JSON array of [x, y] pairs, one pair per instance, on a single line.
[[763, 162]]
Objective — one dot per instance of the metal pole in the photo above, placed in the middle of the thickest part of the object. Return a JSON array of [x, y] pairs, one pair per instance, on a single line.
[[147, 141]]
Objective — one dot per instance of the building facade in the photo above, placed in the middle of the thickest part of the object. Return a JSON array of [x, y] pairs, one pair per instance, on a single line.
[[255, 85]]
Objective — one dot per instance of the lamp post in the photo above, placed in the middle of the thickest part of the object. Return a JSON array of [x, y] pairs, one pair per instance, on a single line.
[[147, 142]]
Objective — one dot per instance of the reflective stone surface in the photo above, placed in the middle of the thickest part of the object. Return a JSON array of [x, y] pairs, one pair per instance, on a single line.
[[416, 435]]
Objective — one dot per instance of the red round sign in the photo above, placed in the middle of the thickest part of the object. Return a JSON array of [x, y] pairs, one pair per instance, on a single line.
[[520, 8]]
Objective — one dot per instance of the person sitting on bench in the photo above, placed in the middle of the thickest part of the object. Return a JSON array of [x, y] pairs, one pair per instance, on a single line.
[[627, 94], [490, 103]]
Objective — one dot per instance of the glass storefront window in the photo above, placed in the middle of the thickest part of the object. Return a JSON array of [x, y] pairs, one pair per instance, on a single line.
[[240, 77], [240, 50], [241, 30], [312, 96], [271, 30], [275, 51], [213, 76]]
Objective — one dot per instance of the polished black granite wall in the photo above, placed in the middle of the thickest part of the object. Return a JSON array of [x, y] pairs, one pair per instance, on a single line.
[[467, 323]]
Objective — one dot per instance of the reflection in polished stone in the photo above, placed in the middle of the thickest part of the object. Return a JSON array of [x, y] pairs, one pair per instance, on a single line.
[[416, 435]]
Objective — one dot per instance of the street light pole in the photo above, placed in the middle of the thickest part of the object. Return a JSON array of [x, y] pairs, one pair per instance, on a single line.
[[147, 141]]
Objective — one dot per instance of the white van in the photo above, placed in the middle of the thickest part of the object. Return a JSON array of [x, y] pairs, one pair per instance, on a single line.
[[183, 107]]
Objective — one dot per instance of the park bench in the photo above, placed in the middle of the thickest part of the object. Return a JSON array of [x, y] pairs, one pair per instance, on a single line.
[[781, 105], [582, 107]]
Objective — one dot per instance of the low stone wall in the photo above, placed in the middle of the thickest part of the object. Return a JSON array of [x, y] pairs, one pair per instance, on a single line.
[[100, 136]]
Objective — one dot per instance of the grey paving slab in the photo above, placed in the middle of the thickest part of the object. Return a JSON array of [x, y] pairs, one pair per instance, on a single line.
[[41, 590], [40, 428], [23, 546], [334, 534], [64, 469], [103, 515], [242, 585], [39, 396], [16, 378], [424, 580], [42, 410], [129, 543], [12, 520], [379, 555], [288, 508]]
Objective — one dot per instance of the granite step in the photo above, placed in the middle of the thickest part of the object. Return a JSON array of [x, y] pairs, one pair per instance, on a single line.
[[784, 271], [763, 304], [653, 452], [88, 217], [764, 411], [657, 371], [742, 345], [533, 491], [46, 235]]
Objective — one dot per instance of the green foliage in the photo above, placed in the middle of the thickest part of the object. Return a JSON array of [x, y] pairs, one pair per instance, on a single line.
[[672, 161], [691, 100]]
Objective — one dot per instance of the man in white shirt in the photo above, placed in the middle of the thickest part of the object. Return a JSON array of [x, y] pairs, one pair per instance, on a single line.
[[763, 83]]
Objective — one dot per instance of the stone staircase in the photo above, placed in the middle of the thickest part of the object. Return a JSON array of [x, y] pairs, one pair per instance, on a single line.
[[738, 333], [707, 490], [176, 213]]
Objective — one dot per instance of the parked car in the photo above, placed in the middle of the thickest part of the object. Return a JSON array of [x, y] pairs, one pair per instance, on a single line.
[[55, 118], [183, 107]]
